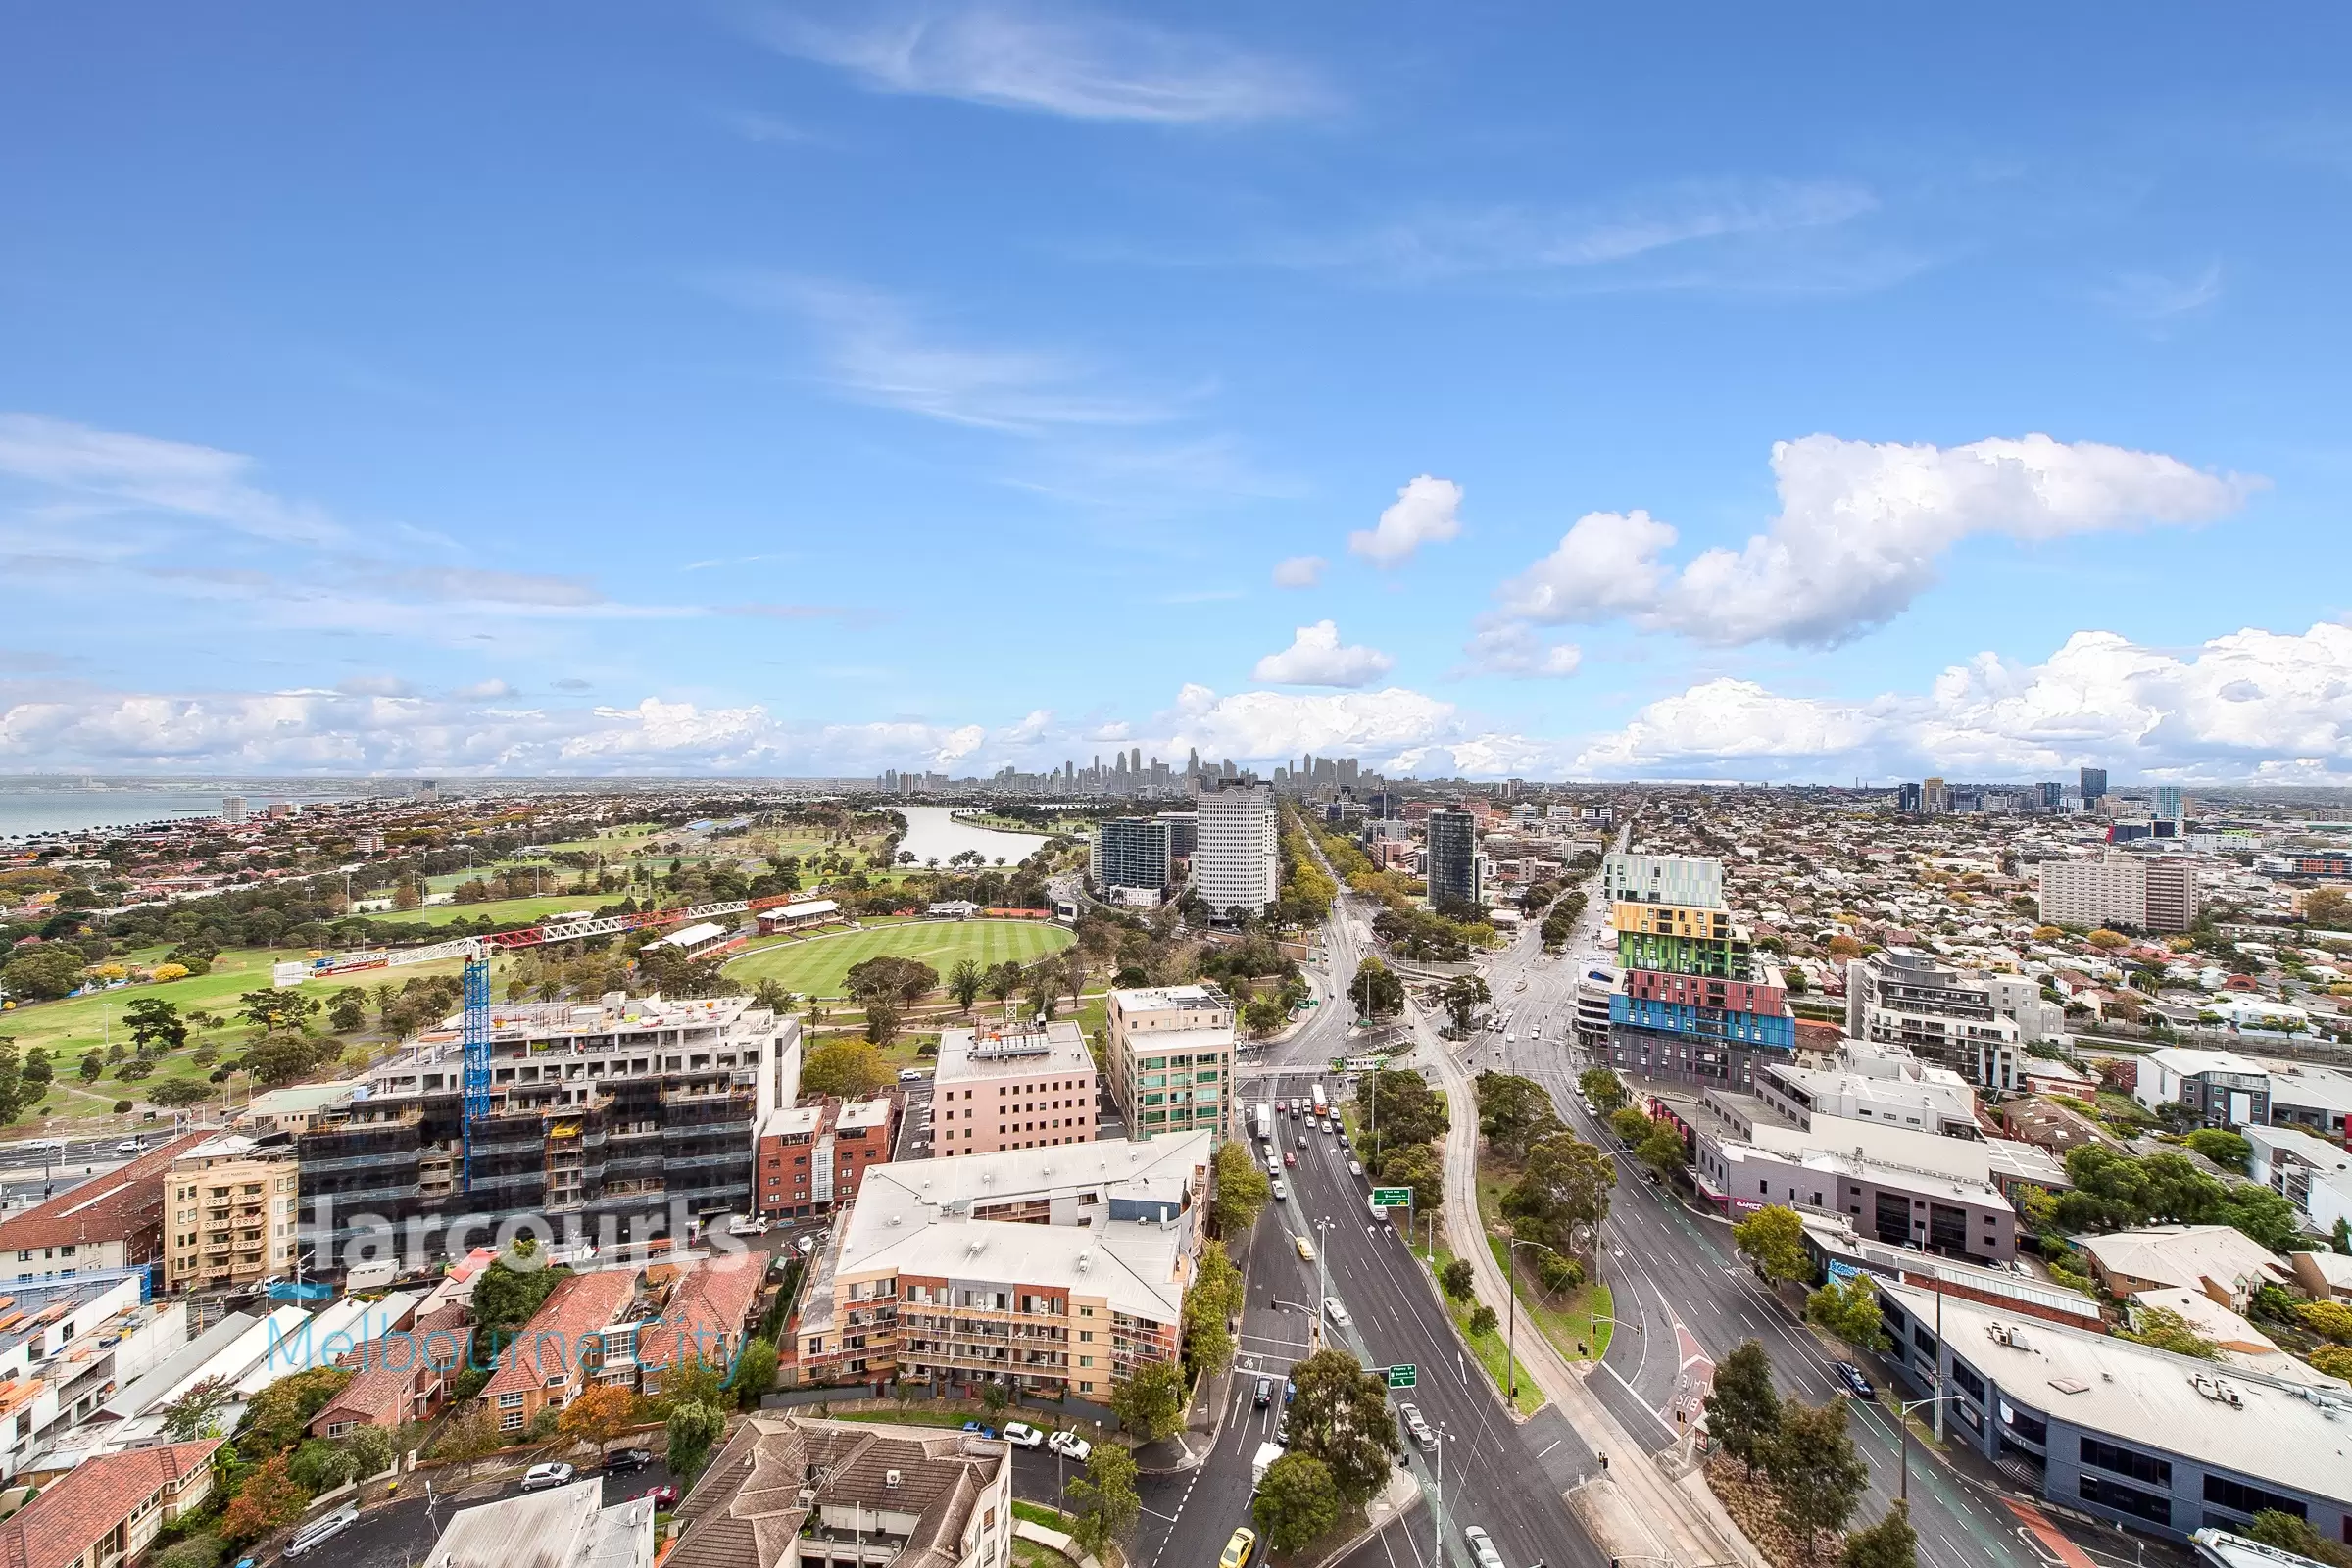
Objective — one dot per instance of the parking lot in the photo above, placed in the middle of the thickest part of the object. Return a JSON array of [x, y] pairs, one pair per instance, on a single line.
[[402, 1534]]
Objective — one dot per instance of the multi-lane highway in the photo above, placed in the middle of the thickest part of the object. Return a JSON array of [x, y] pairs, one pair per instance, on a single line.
[[1502, 1475]]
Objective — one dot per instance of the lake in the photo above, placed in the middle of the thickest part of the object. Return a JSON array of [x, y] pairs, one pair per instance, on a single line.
[[932, 831], [29, 810]]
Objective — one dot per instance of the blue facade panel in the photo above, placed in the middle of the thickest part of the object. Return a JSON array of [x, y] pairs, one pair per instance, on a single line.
[[1765, 1031]]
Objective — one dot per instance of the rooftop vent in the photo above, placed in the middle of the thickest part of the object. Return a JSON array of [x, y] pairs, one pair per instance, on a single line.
[[890, 1478]]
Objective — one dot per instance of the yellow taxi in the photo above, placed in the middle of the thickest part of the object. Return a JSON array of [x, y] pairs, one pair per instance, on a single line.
[[1238, 1548], [1306, 1249]]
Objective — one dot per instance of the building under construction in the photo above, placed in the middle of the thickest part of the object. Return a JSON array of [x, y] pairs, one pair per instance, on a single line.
[[608, 1120]]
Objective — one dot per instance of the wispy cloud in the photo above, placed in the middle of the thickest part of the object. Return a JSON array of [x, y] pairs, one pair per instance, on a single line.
[[843, 612], [145, 473], [879, 352], [1049, 58], [2157, 297]]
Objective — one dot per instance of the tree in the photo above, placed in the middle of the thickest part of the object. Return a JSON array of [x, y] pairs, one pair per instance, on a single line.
[[1662, 1147], [600, 1413], [93, 1065], [1848, 1310], [2168, 1330], [881, 1020], [1457, 1278], [1564, 1186], [2329, 908], [1630, 1123], [1891, 1543], [693, 1428], [1483, 1319], [755, 1373], [1815, 1468], [1341, 1416], [1297, 1502], [46, 973], [1772, 1239], [2333, 1360], [2334, 1319], [1151, 1403], [1743, 1413], [1242, 1190], [1264, 1016], [1399, 1106], [1376, 989], [275, 1417], [1602, 1087], [196, 1414], [505, 1299], [849, 1069], [964, 983], [318, 1465], [1214, 1298], [1419, 1168], [1514, 1112], [269, 1499], [904, 981], [2228, 1149], [156, 1025], [1104, 1503], [1462, 996], [2274, 1527], [176, 1091]]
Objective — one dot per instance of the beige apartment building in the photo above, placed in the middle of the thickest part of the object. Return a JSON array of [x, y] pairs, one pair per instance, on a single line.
[[1171, 1058], [1015, 1086], [230, 1212]]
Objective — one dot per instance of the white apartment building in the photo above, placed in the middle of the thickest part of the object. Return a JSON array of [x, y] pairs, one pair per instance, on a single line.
[[1882, 1084], [1694, 880], [1171, 1058], [1939, 1015], [2120, 890], [1235, 862]]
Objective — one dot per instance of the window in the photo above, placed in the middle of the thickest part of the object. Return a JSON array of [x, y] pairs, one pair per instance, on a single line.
[[2128, 1462], [2239, 1498], [2124, 1500]]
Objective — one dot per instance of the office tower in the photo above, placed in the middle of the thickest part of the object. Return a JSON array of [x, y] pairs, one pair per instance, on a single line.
[[1451, 864], [1935, 798], [2049, 796], [1693, 879], [2095, 787], [1235, 866], [2168, 803], [1906, 799]]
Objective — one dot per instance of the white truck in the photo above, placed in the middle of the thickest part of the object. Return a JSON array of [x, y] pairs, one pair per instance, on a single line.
[[1264, 1113], [1322, 1106], [1268, 1454]]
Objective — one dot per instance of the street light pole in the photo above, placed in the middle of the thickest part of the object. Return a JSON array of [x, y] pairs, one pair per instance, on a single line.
[[1902, 1419], [1510, 1339], [1436, 1553]]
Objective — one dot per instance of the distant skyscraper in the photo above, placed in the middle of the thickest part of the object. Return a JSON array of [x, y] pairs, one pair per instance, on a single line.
[[1906, 799], [2095, 786], [2168, 801], [2049, 796], [1132, 853], [1935, 798], [1451, 865], [233, 810]]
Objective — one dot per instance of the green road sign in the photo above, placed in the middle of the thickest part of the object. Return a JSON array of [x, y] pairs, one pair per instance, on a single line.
[[1391, 1198], [1400, 1377]]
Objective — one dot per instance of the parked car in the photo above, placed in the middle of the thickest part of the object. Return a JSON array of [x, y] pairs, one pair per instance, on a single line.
[[1238, 1549], [1855, 1382], [1020, 1434], [747, 1225], [981, 1427], [540, 1477], [665, 1496], [628, 1460], [1070, 1445], [1336, 1312], [319, 1531]]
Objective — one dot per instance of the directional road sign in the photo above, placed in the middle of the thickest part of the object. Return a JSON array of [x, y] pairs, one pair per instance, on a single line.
[[1401, 1375], [1391, 1198]]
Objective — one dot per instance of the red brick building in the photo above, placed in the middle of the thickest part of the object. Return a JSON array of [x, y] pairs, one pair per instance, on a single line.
[[812, 1158]]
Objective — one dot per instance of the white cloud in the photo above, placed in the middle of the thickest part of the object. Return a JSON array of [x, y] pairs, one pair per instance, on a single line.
[[1426, 510], [1300, 571], [1512, 647], [1316, 659], [1862, 531], [1053, 60], [2154, 297], [1264, 725], [172, 476], [2251, 704], [1605, 566]]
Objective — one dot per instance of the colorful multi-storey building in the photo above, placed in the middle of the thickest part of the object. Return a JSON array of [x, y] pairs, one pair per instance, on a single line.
[[1697, 1002]]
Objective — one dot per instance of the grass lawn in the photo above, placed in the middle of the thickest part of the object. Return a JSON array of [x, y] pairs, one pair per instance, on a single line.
[[498, 909], [817, 966], [69, 1029], [1488, 1348], [1562, 1315]]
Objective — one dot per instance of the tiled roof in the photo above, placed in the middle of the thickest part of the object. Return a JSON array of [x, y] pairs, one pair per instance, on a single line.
[[91, 1500], [706, 1311], [112, 1207], [548, 1346], [746, 1510]]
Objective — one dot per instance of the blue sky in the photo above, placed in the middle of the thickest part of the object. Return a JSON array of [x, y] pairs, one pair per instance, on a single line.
[[789, 389]]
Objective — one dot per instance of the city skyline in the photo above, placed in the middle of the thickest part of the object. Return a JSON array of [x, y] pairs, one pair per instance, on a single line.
[[828, 391]]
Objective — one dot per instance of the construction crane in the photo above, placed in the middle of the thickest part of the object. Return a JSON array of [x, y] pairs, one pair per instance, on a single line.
[[475, 1028]]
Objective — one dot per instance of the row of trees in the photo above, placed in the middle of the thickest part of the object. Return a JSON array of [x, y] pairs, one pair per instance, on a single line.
[[1805, 1453], [1561, 1193]]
